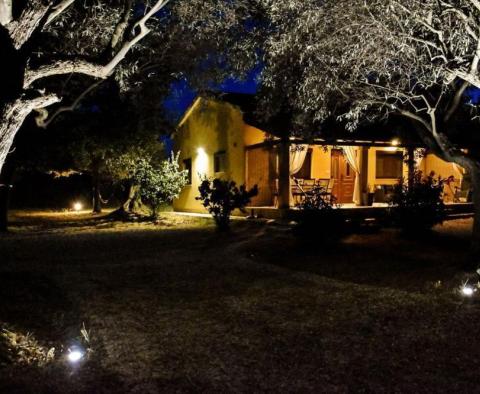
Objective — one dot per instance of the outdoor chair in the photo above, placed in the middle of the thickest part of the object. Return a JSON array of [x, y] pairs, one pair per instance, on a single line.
[[298, 190]]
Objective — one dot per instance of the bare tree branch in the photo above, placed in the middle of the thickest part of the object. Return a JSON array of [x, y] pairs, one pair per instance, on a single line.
[[89, 68], [121, 26], [476, 4], [58, 10], [22, 29], [43, 119], [6, 14], [457, 99], [13, 116]]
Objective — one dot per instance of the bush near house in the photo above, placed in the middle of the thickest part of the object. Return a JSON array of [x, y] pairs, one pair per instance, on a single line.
[[319, 218], [418, 208], [221, 197], [160, 185]]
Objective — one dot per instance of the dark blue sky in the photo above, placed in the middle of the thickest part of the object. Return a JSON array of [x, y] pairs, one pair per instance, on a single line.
[[182, 95]]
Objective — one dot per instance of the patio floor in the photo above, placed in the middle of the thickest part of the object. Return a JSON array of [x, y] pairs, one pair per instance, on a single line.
[[376, 211]]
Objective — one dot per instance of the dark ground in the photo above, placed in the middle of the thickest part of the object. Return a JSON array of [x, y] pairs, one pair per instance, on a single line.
[[179, 308]]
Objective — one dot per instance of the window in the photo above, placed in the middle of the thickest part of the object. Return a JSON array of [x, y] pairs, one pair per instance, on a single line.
[[306, 170], [187, 165], [220, 161], [389, 165]]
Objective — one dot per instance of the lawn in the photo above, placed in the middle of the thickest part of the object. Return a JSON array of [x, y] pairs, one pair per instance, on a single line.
[[177, 307]]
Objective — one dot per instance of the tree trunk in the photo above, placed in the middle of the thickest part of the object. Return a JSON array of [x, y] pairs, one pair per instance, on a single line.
[[4, 198], [411, 166], [96, 197], [12, 116], [284, 175], [132, 202], [5, 188], [475, 173]]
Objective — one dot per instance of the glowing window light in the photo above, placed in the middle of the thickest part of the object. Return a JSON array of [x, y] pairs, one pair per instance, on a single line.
[[77, 206], [202, 161]]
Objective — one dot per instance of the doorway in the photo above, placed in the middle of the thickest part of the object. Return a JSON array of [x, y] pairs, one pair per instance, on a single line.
[[261, 171], [344, 178]]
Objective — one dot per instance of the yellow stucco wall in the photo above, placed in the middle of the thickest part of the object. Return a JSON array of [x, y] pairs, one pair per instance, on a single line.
[[211, 127], [432, 163], [253, 136], [321, 166], [439, 167]]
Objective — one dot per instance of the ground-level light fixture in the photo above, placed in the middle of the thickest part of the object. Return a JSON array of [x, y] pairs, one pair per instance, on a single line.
[[467, 291], [77, 206], [75, 354]]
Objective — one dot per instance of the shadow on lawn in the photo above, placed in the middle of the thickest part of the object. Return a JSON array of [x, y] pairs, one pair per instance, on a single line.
[[34, 304], [385, 258]]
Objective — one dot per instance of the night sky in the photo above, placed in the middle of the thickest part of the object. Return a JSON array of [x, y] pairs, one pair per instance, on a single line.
[[182, 95]]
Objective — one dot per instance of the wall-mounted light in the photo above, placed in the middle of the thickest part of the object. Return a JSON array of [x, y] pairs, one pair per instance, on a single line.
[[77, 206], [395, 143], [201, 162]]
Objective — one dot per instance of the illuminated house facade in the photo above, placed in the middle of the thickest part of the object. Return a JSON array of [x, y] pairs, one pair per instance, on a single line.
[[216, 139]]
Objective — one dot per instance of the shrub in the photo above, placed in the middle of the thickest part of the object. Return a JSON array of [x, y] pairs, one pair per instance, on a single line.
[[222, 197], [420, 207], [160, 185], [319, 218]]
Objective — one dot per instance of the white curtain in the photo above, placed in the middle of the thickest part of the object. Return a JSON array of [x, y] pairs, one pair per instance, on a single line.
[[298, 153], [352, 158]]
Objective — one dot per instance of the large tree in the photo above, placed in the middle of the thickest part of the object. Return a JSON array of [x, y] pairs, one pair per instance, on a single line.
[[356, 60], [44, 43], [30, 53]]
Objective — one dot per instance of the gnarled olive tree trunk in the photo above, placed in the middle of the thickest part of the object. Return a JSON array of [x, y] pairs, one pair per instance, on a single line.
[[12, 116], [132, 203]]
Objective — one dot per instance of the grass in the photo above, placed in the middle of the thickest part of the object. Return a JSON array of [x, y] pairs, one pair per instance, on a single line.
[[177, 307]]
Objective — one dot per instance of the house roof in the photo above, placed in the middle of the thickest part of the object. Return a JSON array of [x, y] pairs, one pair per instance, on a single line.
[[330, 132]]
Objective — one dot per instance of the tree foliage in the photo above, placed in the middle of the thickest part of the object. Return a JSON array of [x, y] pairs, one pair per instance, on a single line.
[[48, 47], [419, 206], [160, 185], [356, 61], [366, 60]]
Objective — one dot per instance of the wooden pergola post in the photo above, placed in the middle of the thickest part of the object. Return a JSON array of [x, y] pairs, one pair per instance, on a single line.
[[411, 165], [284, 174], [363, 169]]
